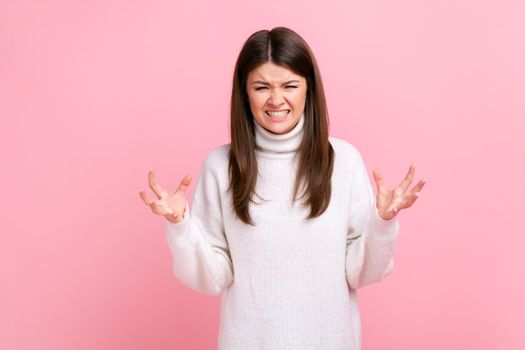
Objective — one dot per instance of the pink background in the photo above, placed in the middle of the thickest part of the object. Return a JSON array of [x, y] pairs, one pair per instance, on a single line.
[[94, 93]]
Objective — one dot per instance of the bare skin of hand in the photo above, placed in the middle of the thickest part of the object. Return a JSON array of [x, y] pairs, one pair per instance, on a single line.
[[389, 203], [171, 206]]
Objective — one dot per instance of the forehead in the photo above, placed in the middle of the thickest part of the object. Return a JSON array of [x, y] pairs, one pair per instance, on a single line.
[[273, 73]]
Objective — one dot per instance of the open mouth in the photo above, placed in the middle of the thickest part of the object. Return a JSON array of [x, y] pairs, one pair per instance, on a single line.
[[278, 115]]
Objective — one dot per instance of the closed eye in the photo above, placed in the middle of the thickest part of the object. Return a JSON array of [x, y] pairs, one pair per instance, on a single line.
[[262, 87]]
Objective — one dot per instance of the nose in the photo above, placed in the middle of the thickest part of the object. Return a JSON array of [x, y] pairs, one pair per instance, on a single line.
[[276, 99]]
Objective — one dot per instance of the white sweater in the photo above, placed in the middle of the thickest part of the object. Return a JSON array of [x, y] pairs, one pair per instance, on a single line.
[[287, 283]]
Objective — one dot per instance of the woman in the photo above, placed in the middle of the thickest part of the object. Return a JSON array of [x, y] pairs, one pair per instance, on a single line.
[[287, 263]]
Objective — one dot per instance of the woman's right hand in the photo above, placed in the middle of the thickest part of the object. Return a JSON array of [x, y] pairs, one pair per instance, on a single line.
[[171, 206]]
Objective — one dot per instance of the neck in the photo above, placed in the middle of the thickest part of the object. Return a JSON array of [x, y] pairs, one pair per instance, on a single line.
[[273, 145]]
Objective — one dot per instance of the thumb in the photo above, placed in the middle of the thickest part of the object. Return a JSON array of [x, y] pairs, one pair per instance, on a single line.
[[184, 183]]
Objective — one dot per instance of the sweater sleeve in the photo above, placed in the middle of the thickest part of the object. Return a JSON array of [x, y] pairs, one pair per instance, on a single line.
[[371, 239], [200, 254]]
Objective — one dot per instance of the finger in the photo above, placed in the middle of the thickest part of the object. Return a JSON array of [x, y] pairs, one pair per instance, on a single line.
[[158, 208], [378, 178], [417, 188], [394, 208], [408, 200], [184, 183], [396, 204], [144, 197], [411, 199], [408, 178], [155, 187]]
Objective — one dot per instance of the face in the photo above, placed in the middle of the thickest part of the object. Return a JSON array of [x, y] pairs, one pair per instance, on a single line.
[[273, 88]]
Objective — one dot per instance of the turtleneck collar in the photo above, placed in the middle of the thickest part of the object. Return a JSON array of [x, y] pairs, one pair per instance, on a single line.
[[278, 145]]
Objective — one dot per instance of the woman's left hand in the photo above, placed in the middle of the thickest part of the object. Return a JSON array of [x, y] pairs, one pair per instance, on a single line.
[[389, 203]]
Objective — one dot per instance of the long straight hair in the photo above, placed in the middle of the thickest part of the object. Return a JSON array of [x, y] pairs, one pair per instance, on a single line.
[[286, 48]]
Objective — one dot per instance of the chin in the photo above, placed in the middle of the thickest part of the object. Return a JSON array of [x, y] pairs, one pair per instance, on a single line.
[[281, 128]]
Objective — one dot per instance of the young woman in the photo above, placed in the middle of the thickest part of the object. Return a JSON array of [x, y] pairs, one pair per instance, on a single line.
[[283, 223]]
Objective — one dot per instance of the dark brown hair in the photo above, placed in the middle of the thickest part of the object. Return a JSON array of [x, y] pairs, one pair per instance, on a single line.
[[286, 48]]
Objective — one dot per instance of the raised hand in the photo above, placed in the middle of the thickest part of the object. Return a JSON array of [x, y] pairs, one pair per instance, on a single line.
[[171, 206], [389, 203]]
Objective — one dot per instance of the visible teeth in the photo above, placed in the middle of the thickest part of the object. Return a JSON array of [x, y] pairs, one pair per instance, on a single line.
[[277, 114]]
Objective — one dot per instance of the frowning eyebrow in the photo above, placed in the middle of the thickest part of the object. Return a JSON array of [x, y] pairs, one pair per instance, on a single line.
[[266, 83]]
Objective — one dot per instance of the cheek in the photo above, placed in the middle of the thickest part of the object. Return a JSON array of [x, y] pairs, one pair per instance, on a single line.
[[258, 101], [298, 98]]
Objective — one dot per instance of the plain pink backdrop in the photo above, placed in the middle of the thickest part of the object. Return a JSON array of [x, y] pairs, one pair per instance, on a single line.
[[94, 93]]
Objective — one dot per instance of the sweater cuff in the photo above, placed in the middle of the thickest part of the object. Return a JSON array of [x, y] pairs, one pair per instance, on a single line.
[[387, 227]]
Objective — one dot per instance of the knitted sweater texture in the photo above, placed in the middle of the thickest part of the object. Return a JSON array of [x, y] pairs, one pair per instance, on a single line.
[[287, 283]]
